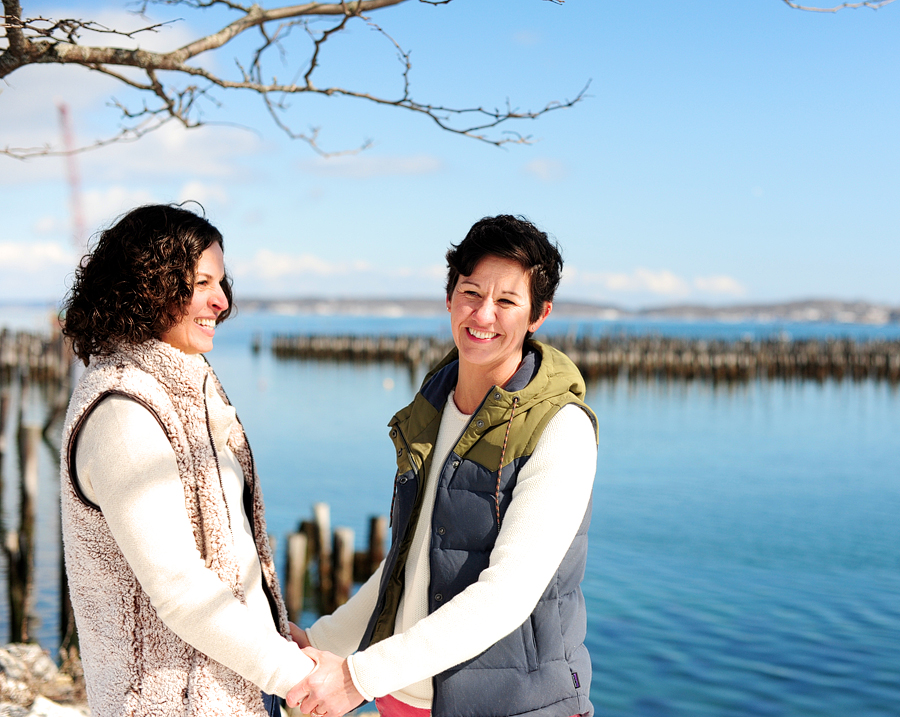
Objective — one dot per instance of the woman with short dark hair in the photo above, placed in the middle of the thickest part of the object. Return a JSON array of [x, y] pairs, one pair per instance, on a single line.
[[477, 610], [170, 573]]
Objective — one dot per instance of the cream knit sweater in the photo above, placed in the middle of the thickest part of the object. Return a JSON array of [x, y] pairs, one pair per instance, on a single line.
[[548, 504], [126, 465]]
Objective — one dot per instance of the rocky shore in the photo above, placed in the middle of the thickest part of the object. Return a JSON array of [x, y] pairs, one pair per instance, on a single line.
[[32, 685]]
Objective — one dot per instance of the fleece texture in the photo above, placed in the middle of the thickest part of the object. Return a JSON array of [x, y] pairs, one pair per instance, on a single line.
[[133, 663]]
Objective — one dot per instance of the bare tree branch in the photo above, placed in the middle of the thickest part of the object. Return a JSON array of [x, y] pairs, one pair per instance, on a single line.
[[37, 41], [843, 6]]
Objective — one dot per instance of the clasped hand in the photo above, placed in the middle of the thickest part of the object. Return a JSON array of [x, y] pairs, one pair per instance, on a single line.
[[328, 689]]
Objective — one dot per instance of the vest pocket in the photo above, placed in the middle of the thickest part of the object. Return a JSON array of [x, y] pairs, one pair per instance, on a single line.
[[530, 644]]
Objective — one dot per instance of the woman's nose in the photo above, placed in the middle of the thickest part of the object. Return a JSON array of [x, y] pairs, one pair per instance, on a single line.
[[218, 300], [485, 310]]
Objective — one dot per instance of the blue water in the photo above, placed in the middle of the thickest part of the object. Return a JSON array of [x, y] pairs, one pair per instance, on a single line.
[[745, 543]]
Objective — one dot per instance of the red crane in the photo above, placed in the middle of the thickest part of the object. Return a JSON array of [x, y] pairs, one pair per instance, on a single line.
[[79, 234]]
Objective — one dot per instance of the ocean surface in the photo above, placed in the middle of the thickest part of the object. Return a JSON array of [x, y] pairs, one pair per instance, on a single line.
[[745, 543]]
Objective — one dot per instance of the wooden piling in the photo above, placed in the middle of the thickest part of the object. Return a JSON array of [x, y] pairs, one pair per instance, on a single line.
[[19, 546], [295, 572], [378, 526], [322, 518], [343, 565], [4, 412], [29, 441]]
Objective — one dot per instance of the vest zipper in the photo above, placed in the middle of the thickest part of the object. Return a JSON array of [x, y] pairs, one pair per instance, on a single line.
[[212, 443]]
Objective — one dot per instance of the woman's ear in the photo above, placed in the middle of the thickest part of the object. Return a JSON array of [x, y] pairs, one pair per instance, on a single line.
[[545, 312]]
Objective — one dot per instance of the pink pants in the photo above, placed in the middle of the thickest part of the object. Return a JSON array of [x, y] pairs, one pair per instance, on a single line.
[[391, 707]]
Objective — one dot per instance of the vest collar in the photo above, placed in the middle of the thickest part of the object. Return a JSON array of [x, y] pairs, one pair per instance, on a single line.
[[178, 372], [444, 378]]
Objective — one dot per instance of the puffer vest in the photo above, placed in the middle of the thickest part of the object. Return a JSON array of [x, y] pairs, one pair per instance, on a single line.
[[133, 664], [541, 669]]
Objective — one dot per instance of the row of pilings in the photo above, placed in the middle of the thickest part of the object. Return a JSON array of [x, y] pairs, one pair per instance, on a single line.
[[39, 357], [612, 356], [34, 393]]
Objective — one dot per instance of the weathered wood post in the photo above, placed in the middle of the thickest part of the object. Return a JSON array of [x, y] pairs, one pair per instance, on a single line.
[[322, 518], [343, 565], [19, 547], [4, 412], [295, 572], [378, 525]]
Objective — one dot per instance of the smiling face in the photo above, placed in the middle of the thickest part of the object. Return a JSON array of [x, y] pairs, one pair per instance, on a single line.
[[194, 333], [490, 314]]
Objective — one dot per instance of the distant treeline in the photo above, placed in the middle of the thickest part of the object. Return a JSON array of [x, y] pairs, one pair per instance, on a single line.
[[610, 357]]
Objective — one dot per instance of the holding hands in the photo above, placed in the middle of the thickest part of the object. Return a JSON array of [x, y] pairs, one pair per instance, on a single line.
[[328, 689]]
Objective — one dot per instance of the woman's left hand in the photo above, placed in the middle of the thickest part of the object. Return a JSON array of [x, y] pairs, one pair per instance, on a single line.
[[298, 635], [328, 689]]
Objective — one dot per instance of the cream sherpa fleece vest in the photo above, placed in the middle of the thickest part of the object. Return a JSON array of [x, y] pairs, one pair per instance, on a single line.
[[133, 663]]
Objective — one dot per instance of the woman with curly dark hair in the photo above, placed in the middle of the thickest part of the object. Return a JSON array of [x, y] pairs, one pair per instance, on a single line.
[[170, 573]]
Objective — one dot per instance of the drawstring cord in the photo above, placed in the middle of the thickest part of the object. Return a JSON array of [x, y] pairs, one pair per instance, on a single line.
[[502, 455]]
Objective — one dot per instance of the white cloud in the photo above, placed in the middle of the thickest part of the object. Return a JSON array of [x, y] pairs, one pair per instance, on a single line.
[[270, 273], [102, 207], [644, 284], [165, 38], [48, 224], [366, 166], [30, 96], [267, 264], [169, 152], [548, 170], [35, 270], [720, 284], [29, 257], [172, 152], [203, 193], [663, 282]]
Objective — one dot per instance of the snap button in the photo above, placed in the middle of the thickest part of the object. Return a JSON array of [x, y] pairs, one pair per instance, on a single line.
[[438, 597], [402, 480], [456, 464], [497, 396], [442, 530], [479, 423]]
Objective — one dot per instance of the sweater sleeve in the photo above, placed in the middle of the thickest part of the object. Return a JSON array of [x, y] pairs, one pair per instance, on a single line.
[[126, 462], [553, 491]]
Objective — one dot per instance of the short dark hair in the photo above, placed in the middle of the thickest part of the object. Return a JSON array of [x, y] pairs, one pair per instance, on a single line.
[[515, 238], [138, 280]]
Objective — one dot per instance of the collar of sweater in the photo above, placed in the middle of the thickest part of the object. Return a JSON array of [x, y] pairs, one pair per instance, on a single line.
[[184, 374]]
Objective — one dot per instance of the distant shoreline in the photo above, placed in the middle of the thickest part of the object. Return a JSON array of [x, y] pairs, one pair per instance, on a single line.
[[805, 311], [818, 311]]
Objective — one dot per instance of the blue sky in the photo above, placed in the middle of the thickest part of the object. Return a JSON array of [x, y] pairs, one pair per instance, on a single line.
[[727, 152]]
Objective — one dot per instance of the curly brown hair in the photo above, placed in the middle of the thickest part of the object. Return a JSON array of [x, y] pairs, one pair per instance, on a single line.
[[136, 283]]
